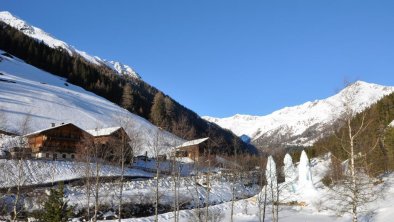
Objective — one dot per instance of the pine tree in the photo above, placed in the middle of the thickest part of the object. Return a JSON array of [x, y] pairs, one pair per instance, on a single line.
[[56, 209], [127, 98], [158, 110]]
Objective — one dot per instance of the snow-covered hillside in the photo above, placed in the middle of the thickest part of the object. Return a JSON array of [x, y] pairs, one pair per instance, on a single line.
[[46, 98], [303, 124], [40, 35]]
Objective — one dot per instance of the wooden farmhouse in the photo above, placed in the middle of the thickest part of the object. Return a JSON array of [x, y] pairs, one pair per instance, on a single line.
[[64, 141], [110, 140], [193, 149]]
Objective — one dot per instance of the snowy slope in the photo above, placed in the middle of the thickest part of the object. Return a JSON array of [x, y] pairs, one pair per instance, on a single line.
[[303, 124], [52, 42], [46, 98]]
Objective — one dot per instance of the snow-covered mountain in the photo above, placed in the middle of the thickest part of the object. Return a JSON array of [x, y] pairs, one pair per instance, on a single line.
[[52, 42], [304, 124], [46, 98]]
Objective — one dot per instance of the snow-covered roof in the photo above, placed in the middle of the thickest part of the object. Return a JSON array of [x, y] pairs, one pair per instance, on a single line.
[[50, 128], [193, 142], [103, 131]]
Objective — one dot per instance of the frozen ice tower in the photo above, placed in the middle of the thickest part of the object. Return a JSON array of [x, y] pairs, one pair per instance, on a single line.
[[304, 172], [270, 172], [290, 172], [289, 169]]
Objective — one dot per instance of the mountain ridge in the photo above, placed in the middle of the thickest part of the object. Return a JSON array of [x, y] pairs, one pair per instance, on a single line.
[[53, 42], [290, 125], [135, 95]]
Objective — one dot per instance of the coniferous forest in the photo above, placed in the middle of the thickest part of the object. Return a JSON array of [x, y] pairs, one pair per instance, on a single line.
[[132, 94]]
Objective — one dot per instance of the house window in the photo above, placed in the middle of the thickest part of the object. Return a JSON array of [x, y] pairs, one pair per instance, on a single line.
[[47, 155], [72, 156], [64, 156], [55, 156]]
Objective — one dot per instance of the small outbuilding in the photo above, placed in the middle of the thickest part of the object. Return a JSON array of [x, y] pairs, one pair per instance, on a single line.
[[193, 149], [111, 139]]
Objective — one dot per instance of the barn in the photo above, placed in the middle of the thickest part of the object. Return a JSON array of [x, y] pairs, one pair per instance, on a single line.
[[109, 140], [193, 149]]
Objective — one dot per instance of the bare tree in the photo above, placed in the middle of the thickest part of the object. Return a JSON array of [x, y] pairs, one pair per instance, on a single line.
[[21, 146], [123, 153], [234, 177], [85, 156], [262, 196], [355, 186], [100, 153], [157, 151]]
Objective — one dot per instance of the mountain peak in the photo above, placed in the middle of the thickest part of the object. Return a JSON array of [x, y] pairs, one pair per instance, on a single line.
[[303, 124], [52, 42]]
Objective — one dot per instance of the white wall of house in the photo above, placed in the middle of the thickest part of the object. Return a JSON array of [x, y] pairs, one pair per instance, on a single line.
[[57, 155]]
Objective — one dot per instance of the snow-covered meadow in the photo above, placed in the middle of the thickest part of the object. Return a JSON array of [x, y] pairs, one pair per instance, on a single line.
[[301, 200]]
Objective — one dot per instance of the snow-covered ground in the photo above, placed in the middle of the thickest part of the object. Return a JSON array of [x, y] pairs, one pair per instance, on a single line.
[[293, 121], [43, 171], [313, 205], [46, 98], [52, 42], [142, 192]]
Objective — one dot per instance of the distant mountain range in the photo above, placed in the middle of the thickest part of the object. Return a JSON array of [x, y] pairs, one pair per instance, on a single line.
[[304, 124]]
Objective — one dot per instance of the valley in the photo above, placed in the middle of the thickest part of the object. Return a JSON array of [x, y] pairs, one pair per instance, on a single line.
[[88, 139]]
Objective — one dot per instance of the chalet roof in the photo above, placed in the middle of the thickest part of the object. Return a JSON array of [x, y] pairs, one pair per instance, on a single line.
[[51, 128], [193, 142], [103, 131]]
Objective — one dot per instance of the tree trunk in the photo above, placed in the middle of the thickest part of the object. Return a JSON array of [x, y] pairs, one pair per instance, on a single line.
[[352, 172]]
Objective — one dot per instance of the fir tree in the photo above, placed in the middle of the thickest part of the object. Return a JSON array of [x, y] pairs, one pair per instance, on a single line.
[[56, 209]]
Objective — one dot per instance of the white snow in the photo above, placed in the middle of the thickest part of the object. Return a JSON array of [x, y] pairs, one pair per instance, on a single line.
[[289, 169], [304, 173], [309, 208], [193, 142], [121, 68], [270, 173], [46, 171], [392, 124], [294, 121], [45, 98], [103, 131], [52, 42]]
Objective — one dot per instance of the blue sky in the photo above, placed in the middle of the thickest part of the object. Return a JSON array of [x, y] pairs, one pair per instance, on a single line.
[[222, 57]]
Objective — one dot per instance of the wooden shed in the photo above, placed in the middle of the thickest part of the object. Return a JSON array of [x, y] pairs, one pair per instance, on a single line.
[[58, 142], [193, 149]]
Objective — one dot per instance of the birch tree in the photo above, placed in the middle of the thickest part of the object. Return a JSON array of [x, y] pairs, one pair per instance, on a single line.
[[355, 188], [20, 179]]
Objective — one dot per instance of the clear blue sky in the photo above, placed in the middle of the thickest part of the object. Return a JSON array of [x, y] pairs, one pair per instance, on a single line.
[[222, 57]]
